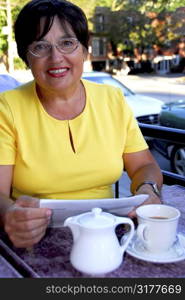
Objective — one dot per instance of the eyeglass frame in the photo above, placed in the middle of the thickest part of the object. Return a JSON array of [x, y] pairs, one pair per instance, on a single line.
[[56, 46]]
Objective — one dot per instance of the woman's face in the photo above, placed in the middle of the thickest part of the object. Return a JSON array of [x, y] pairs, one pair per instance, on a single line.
[[57, 71]]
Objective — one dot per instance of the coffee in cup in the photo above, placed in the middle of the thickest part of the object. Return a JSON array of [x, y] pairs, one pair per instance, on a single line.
[[158, 217], [157, 226]]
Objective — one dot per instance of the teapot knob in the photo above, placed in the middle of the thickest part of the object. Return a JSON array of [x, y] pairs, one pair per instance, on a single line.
[[96, 211]]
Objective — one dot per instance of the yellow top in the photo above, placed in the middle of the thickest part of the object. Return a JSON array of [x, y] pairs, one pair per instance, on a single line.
[[46, 164]]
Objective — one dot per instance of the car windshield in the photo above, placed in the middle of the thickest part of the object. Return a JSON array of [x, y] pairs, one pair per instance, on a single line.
[[110, 81]]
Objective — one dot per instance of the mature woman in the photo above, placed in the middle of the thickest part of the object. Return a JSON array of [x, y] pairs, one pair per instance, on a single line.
[[62, 137]]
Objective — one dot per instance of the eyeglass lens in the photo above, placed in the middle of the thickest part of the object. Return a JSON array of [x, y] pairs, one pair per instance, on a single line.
[[42, 48]]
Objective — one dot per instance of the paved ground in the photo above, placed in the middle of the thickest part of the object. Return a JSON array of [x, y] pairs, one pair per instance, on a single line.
[[178, 78], [167, 88]]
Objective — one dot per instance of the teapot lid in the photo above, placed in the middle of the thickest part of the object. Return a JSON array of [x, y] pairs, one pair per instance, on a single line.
[[96, 219]]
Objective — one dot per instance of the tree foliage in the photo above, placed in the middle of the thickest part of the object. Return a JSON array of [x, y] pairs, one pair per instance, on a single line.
[[143, 23], [3, 44]]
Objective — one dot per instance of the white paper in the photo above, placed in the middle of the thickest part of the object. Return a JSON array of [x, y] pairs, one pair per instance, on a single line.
[[62, 209]]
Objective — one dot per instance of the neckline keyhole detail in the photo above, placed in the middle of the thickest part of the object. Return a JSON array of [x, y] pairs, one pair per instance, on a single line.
[[71, 139]]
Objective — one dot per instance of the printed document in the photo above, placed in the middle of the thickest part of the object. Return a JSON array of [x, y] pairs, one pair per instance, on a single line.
[[62, 209]]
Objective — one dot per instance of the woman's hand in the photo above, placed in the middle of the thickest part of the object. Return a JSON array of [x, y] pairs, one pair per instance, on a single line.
[[152, 199], [25, 222], [141, 167]]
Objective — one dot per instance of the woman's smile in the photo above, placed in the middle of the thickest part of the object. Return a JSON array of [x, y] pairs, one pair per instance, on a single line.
[[58, 72]]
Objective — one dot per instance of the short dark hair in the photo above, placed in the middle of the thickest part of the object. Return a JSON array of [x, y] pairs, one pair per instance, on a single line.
[[27, 24]]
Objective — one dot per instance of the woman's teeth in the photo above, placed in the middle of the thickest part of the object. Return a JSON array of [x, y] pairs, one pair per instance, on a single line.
[[57, 71]]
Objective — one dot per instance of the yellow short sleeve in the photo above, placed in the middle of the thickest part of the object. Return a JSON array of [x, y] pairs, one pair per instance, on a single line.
[[7, 134]]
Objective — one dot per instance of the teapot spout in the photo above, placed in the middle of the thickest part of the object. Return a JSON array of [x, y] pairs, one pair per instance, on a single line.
[[70, 222]]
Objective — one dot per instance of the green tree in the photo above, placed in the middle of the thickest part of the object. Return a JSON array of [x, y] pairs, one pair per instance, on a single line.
[[144, 22], [15, 8], [3, 46]]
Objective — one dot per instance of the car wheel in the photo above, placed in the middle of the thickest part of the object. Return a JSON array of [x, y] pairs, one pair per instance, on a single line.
[[178, 160]]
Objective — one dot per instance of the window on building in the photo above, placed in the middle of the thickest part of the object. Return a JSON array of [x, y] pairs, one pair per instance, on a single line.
[[99, 23], [99, 47]]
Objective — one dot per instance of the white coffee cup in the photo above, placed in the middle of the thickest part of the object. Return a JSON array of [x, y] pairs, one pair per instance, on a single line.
[[157, 226]]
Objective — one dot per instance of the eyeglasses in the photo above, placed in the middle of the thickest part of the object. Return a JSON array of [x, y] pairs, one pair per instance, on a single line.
[[43, 48]]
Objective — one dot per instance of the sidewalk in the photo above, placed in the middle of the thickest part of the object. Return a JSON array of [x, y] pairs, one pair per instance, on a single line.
[[178, 78]]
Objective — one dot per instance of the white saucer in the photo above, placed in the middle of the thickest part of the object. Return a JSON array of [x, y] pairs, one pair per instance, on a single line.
[[175, 254]]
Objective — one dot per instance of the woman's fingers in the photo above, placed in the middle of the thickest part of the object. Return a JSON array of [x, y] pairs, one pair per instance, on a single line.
[[26, 222], [26, 233], [22, 224], [151, 200], [27, 241], [25, 214], [27, 201]]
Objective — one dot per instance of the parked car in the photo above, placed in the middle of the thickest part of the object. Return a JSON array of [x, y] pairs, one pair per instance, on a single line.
[[172, 115], [146, 109], [7, 82]]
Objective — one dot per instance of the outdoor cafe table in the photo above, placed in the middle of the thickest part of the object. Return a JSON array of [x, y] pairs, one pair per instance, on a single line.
[[50, 257]]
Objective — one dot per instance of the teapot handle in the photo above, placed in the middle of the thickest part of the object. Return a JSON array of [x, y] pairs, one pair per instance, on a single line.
[[124, 220]]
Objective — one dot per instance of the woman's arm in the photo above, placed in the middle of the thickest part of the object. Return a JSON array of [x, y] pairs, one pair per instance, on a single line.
[[5, 188], [141, 166], [22, 219]]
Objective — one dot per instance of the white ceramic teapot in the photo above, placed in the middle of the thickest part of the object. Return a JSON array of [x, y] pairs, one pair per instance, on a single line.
[[96, 249]]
